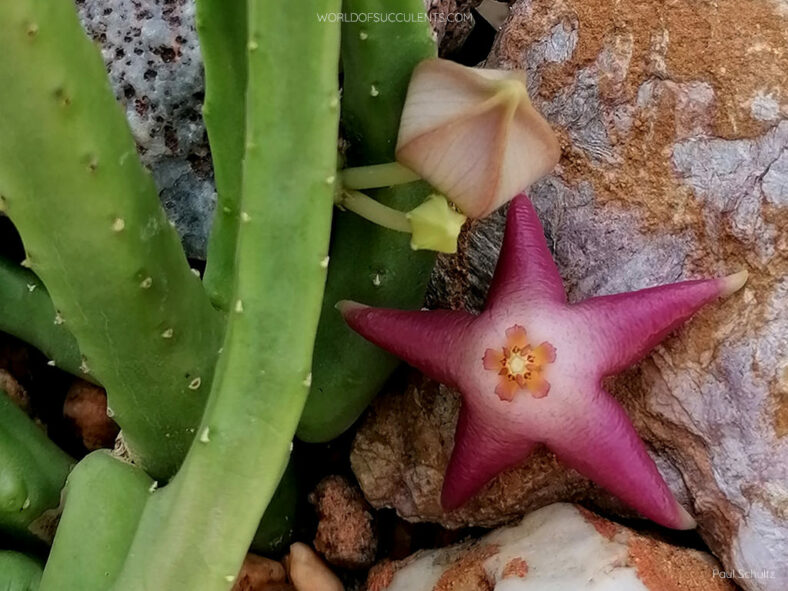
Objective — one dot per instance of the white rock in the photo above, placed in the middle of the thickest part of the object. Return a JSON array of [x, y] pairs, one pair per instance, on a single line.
[[558, 548]]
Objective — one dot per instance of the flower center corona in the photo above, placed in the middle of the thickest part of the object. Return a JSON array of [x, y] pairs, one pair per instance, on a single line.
[[520, 365]]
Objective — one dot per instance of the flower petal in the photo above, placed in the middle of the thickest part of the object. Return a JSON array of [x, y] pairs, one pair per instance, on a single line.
[[537, 385], [493, 359], [516, 337], [543, 354], [506, 389]]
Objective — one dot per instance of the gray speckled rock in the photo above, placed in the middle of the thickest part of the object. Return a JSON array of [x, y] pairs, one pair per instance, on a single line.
[[674, 166], [153, 58]]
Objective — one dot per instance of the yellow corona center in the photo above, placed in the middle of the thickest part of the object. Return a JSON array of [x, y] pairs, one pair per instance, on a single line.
[[516, 364]]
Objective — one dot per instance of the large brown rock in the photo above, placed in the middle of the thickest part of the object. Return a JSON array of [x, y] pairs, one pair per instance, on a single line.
[[673, 124]]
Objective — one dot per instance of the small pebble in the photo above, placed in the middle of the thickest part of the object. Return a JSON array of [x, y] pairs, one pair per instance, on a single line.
[[309, 573], [261, 574]]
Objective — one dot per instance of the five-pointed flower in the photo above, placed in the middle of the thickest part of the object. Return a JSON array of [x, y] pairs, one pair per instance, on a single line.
[[530, 366]]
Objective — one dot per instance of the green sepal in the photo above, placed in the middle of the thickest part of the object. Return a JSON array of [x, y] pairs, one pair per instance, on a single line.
[[435, 225]]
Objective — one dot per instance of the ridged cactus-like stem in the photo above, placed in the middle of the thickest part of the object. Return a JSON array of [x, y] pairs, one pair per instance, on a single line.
[[27, 312], [369, 263], [33, 471], [194, 532], [104, 500], [96, 234], [223, 39]]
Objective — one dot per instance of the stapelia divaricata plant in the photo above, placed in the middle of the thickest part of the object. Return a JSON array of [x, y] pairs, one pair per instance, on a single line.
[[473, 134], [530, 366], [195, 371], [369, 263]]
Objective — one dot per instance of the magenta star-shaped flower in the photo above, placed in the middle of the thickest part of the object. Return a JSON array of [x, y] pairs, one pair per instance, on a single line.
[[530, 367]]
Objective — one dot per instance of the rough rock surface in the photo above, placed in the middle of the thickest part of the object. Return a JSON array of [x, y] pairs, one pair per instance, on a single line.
[[153, 58], [451, 21], [675, 165], [85, 408], [345, 530], [261, 574], [556, 547], [14, 390]]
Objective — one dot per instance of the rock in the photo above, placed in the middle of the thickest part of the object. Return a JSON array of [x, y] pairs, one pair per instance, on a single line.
[[85, 408], [675, 166], [345, 533], [558, 547], [451, 22], [401, 451], [308, 573], [153, 59], [14, 391], [261, 574]]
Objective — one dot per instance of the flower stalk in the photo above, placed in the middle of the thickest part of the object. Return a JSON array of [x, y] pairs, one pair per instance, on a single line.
[[375, 176], [374, 211], [433, 225]]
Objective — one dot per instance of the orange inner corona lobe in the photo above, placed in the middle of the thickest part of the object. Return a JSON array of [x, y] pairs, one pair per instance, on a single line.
[[520, 365]]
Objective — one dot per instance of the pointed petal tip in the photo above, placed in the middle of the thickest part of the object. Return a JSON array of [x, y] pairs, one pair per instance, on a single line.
[[345, 307], [733, 283], [685, 520]]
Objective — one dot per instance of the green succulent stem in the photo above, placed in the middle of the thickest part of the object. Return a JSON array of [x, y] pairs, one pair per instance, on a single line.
[[194, 532], [95, 233], [33, 471], [105, 498], [19, 572], [222, 29], [374, 211], [27, 312], [369, 263], [375, 176]]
